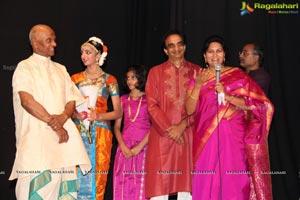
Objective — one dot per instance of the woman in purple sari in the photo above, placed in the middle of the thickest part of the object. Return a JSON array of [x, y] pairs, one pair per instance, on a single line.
[[232, 121]]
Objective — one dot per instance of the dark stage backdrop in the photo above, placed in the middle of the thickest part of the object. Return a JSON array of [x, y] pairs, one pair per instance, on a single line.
[[132, 30]]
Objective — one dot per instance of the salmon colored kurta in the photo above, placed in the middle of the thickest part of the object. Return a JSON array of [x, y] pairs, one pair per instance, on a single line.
[[168, 164]]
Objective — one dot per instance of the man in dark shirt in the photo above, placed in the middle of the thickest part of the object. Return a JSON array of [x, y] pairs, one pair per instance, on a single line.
[[251, 57]]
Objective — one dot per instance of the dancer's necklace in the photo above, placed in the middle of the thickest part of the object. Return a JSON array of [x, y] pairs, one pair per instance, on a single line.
[[98, 71]]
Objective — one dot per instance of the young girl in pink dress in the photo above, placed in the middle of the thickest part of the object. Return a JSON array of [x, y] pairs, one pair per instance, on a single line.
[[129, 166]]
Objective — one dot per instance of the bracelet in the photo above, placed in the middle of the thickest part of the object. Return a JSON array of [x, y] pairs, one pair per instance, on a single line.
[[230, 98], [193, 97], [99, 116]]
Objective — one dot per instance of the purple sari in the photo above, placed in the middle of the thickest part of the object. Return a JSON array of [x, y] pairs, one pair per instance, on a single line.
[[231, 157]]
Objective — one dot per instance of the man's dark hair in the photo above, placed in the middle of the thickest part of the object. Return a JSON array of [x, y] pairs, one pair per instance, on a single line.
[[172, 32]]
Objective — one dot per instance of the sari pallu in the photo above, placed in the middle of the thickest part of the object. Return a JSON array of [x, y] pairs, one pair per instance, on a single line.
[[255, 121]]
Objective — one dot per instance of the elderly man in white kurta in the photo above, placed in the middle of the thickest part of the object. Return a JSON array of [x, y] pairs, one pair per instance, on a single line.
[[49, 146]]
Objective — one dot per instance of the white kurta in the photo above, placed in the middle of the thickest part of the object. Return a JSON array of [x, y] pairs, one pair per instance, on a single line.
[[37, 144]]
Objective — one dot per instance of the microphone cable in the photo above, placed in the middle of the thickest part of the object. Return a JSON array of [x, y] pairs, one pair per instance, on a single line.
[[219, 151]]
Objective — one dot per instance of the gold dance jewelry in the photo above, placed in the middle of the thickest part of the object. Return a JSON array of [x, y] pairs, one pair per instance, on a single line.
[[93, 73], [138, 109]]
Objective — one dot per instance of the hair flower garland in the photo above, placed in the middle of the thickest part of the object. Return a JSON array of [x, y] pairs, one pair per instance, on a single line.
[[104, 48]]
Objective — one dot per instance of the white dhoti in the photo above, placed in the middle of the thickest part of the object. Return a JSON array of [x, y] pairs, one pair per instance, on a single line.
[[48, 185]]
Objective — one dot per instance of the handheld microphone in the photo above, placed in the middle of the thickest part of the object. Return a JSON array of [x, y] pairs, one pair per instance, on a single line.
[[220, 100], [218, 70]]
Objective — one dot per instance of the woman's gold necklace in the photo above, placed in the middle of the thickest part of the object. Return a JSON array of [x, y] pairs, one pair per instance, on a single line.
[[93, 73], [138, 109]]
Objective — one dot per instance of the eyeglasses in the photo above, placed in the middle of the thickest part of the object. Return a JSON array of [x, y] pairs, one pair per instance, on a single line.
[[246, 53]]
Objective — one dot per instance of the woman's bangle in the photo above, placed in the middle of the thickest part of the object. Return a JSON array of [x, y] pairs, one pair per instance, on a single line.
[[230, 98], [193, 97]]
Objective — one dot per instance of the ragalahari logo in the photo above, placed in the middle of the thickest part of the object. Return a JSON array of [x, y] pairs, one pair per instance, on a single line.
[[246, 8], [270, 8]]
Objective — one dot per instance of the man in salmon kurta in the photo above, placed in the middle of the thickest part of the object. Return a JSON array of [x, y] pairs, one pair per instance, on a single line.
[[168, 159]]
